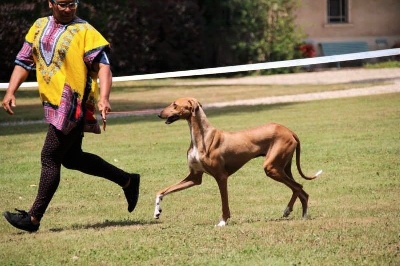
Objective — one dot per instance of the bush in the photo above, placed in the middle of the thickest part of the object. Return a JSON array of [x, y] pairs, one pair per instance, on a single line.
[[149, 36]]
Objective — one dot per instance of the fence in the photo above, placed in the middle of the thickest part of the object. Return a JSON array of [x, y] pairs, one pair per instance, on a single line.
[[248, 67]]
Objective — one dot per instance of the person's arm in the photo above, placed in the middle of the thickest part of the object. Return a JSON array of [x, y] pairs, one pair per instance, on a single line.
[[105, 82], [18, 76]]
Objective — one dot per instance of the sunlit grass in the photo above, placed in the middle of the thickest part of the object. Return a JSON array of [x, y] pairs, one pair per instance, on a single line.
[[354, 206]]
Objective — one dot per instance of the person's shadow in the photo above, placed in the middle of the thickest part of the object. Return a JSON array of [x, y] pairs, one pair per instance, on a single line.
[[105, 224]]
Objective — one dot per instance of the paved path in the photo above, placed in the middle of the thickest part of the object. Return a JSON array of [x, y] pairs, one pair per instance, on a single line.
[[305, 97], [348, 75], [391, 75]]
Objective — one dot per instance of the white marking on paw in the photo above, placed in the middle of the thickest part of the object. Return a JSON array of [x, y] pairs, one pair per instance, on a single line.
[[221, 223], [157, 210]]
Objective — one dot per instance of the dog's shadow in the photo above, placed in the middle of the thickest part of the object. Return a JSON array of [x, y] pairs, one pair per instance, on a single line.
[[107, 223]]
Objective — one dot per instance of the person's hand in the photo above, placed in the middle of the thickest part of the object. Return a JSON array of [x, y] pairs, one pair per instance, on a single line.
[[8, 102], [104, 107]]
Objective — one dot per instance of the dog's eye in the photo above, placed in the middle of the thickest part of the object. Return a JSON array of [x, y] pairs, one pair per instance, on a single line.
[[174, 105]]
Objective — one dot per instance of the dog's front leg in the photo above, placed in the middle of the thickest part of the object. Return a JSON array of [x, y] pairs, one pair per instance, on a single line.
[[222, 182], [191, 180]]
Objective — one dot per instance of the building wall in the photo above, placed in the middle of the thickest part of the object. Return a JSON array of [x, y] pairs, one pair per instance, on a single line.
[[369, 20]]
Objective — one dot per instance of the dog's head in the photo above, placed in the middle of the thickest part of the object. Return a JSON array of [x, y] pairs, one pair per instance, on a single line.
[[182, 108]]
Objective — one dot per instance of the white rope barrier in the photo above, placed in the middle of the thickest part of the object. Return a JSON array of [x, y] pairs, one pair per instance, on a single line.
[[248, 67]]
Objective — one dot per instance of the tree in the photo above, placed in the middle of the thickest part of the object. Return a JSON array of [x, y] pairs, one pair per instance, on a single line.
[[149, 36], [156, 36], [253, 31], [16, 16]]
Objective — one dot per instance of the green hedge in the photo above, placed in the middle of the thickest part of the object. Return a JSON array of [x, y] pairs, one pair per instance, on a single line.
[[165, 35]]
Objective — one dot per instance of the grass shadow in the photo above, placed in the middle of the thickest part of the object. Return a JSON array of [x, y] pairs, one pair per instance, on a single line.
[[105, 224], [109, 223]]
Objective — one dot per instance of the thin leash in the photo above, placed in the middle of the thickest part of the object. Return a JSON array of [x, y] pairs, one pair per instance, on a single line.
[[122, 112], [136, 112], [133, 112]]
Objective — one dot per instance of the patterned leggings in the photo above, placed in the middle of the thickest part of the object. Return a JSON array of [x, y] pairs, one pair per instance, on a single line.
[[66, 150]]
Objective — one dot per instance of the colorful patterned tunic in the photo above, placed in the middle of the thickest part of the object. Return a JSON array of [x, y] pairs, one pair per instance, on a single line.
[[63, 57]]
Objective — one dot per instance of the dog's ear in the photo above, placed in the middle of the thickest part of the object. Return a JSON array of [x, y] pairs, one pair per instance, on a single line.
[[194, 104]]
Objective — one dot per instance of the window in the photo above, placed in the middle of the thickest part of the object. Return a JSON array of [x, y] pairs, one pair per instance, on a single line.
[[338, 11]]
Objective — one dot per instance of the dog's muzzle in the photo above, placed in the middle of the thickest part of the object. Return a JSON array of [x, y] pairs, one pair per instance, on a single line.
[[170, 119]]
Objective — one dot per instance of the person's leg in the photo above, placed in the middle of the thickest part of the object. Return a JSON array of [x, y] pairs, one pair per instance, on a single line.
[[55, 146], [92, 164], [54, 149], [66, 149]]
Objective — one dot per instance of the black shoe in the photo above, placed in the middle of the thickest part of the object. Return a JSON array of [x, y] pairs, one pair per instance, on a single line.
[[132, 191], [21, 220]]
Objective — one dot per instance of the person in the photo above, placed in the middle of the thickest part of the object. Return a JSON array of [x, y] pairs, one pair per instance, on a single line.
[[69, 55]]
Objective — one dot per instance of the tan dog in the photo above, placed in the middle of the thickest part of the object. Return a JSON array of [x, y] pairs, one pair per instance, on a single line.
[[220, 154]]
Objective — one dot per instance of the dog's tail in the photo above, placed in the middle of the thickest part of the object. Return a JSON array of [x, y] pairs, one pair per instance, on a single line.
[[298, 150]]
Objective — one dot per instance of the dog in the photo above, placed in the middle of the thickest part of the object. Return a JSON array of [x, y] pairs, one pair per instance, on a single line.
[[220, 154]]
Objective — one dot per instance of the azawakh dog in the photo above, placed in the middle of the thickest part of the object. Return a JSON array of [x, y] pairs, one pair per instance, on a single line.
[[220, 154]]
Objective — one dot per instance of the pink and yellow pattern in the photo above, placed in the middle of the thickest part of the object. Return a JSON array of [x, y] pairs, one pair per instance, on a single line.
[[63, 57]]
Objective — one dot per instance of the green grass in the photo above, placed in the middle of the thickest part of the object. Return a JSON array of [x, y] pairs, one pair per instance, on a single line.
[[354, 206], [384, 64]]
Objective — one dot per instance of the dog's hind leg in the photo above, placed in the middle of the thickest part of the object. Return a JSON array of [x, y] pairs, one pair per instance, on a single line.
[[298, 192], [296, 188], [289, 208], [278, 168], [191, 180], [303, 196]]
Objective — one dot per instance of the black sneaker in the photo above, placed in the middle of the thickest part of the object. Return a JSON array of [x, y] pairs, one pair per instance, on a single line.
[[132, 191], [21, 220]]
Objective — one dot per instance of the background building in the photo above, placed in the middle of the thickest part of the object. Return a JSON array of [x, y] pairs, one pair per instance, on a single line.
[[376, 22]]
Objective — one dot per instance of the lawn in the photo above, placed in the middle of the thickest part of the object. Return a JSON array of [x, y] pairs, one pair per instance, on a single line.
[[354, 205]]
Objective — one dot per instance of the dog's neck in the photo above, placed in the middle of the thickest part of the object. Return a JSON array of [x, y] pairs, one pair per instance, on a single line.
[[200, 128]]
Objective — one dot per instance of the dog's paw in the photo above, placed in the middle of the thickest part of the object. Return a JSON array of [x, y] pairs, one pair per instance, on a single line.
[[287, 212], [221, 223], [157, 214]]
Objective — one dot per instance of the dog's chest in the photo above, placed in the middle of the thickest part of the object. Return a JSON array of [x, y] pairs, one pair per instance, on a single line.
[[194, 159]]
